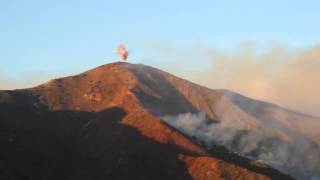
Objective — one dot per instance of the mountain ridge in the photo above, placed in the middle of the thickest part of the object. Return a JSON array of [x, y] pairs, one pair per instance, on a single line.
[[144, 94]]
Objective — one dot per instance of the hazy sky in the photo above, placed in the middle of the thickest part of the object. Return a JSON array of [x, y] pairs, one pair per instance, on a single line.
[[41, 39]]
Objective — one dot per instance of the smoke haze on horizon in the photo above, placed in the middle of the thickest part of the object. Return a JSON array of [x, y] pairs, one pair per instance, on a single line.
[[288, 77], [28, 80]]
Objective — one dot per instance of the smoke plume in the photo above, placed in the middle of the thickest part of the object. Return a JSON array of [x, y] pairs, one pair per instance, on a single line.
[[299, 158], [288, 77]]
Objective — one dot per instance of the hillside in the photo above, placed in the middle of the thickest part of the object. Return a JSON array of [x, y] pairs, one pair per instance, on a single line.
[[108, 123]]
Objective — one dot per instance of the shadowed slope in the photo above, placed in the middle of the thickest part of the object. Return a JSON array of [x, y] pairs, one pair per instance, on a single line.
[[60, 145]]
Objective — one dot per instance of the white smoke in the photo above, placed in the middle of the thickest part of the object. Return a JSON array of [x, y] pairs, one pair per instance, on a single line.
[[299, 159]]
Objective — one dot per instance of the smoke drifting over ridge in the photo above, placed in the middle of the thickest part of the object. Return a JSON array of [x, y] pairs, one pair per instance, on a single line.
[[290, 78]]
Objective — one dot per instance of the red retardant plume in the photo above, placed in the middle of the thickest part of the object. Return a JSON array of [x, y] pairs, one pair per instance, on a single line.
[[122, 52]]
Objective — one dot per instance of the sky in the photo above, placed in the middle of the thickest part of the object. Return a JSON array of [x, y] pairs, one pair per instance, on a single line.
[[41, 40]]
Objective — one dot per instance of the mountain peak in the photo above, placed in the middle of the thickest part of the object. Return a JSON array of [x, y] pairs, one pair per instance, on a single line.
[[116, 66], [110, 84]]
